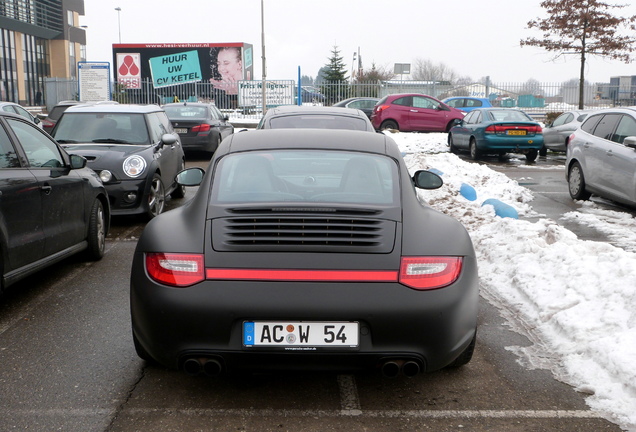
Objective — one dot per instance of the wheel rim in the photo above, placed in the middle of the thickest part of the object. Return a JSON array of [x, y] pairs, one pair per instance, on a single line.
[[156, 198], [574, 180], [101, 228]]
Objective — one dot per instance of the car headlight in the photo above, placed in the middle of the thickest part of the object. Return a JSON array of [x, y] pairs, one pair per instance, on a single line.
[[105, 176], [134, 166]]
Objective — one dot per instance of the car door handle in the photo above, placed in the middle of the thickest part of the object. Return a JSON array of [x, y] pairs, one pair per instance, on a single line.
[[414, 110], [609, 153], [46, 189]]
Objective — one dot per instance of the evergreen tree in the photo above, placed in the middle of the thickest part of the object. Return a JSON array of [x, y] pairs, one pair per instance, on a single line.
[[335, 81], [583, 27]]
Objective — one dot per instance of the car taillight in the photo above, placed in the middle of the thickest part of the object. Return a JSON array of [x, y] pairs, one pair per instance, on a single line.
[[501, 129], [201, 128], [379, 108], [425, 273], [175, 269]]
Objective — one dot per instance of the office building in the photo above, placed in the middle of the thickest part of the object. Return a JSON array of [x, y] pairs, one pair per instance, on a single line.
[[39, 39]]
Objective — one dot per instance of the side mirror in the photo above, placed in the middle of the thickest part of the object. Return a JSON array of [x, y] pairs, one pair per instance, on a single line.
[[630, 142], [168, 139], [190, 176], [77, 161], [427, 180]]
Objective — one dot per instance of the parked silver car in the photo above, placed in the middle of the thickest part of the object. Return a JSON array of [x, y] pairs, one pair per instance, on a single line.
[[557, 134], [601, 156]]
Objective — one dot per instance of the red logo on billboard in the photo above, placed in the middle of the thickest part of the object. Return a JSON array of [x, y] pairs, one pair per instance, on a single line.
[[129, 71]]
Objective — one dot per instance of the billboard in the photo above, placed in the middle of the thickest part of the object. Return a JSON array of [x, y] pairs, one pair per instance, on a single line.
[[175, 69], [94, 81], [221, 64]]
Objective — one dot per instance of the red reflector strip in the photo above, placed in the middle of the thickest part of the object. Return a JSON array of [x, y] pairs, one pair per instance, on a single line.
[[302, 275]]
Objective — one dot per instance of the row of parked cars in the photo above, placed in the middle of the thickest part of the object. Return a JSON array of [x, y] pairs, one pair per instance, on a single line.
[[303, 246], [64, 176]]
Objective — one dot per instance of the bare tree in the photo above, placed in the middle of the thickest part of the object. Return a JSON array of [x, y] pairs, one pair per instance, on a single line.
[[426, 70], [583, 27], [376, 73], [532, 87]]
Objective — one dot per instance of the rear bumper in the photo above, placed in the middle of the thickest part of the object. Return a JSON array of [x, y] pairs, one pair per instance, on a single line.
[[205, 142], [396, 322], [504, 143]]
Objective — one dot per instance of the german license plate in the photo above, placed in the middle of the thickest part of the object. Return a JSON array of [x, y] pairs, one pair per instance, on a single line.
[[516, 132], [181, 130], [300, 334]]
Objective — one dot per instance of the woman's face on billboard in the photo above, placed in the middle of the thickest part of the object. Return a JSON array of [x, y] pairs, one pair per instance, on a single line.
[[230, 65]]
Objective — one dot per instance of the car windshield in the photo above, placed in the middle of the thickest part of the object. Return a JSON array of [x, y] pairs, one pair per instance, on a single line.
[[318, 121], [306, 176], [185, 112], [111, 128], [508, 115]]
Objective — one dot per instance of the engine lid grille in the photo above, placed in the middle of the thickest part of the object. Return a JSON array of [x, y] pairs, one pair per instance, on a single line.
[[308, 233]]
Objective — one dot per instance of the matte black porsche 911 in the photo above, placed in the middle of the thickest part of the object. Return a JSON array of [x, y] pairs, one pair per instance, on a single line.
[[305, 250]]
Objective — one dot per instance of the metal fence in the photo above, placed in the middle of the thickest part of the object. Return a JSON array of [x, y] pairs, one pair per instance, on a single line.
[[533, 97]]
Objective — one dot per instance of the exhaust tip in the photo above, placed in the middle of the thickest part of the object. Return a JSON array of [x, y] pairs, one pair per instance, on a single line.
[[390, 369], [212, 367], [192, 367], [411, 368]]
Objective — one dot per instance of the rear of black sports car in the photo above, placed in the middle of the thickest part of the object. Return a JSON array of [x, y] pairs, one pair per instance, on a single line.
[[287, 282]]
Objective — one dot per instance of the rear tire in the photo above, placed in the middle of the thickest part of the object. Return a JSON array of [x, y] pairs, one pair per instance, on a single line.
[[141, 352], [466, 355], [576, 183], [451, 144], [475, 154], [531, 156], [214, 145], [96, 231], [389, 124], [543, 151]]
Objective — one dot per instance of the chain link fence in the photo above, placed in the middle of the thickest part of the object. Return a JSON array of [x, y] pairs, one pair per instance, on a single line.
[[536, 98]]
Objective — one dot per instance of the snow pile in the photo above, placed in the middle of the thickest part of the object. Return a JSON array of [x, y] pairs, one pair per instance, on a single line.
[[574, 299]]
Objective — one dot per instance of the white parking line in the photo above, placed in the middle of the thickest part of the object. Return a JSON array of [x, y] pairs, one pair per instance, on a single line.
[[349, 400], [254, 413]]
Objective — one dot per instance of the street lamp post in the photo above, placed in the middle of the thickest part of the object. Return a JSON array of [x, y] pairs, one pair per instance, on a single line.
[[264, 85], [118, 9]]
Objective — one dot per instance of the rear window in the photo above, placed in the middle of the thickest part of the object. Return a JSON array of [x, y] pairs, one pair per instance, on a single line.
[[318, 121], [186, 112], [306, 176], [508, 115], [57, 111]]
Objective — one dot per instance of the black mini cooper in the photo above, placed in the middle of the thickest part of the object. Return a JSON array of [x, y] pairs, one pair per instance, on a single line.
[[133, 148]]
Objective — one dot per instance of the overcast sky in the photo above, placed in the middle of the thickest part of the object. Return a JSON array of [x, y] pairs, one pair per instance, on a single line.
[[473, 38]]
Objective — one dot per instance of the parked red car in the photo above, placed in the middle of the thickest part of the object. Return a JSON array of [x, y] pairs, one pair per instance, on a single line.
[[414, 112]]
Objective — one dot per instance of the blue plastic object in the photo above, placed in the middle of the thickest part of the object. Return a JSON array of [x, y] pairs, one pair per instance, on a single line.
[[468, 192], [501, 209], [436, 171]]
